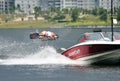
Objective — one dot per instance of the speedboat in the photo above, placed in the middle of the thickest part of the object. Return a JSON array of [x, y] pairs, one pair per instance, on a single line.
[[96, 47]]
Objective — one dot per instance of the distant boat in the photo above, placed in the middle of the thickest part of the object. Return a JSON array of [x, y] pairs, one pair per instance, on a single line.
[[96, 47]]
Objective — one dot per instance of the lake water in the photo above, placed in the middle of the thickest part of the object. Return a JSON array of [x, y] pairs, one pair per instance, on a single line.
[[24, 59]]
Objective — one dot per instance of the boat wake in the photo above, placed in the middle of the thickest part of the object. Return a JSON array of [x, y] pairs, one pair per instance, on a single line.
[[46, 55], [34, 52]]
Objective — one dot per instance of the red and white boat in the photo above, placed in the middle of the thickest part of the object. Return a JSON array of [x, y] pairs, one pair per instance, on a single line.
[[96, 47], [102, 47]]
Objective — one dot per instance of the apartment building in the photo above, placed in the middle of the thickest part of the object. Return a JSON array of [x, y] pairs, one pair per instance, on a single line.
[[90, 4], [44, 5], [68, 4], [54, 3], [6, 6], [26, 6], [87, 4], [106, 4], [84, 4]]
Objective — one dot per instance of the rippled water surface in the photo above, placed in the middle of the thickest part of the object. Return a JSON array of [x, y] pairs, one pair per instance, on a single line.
[[23, 59]]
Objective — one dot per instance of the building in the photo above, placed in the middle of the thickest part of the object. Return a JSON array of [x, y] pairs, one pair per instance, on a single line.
[[87, 4], [54, 3], [68, 4], [44, 5], [6, 6], [84, 4], [106, 4], [26, 6]]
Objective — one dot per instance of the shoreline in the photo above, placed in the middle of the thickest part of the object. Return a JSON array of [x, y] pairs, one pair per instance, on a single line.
[[60, 27], [46, 24]]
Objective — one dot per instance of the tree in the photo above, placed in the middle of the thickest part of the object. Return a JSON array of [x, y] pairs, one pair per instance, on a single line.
[[95, 11], [59, 17], [103, 16], [57, 10], [118, 14], [101, 11], [18, 7], [37, 11], [65, 11], [12, 9], [74, 14]]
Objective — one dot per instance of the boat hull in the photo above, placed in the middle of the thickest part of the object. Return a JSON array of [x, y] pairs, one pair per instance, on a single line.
[[94, 52]]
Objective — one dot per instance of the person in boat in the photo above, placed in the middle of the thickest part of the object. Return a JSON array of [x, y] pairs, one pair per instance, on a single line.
[[48, 34], [85, 37]]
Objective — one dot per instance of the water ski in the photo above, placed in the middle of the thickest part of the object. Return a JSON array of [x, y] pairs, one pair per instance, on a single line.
[[47, 38]]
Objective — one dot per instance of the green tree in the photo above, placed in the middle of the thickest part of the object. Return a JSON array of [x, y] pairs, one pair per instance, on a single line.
[[65, 11], [74, 14], [101, 11], [59, 17], [57, 10], [118, 14], [103, 16], [95, 11], [37, 11], [18, 7], [12, 9]]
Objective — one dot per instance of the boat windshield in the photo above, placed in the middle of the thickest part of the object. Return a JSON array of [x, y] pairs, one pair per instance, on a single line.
[[94, 36], [108, 35]]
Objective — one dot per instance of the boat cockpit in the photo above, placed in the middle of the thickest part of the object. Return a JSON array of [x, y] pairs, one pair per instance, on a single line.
[[105, 36]]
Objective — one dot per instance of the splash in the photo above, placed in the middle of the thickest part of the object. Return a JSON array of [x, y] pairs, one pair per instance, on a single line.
[[46, 55]]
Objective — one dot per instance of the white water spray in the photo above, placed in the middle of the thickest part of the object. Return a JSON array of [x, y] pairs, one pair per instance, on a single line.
[[47, 55]]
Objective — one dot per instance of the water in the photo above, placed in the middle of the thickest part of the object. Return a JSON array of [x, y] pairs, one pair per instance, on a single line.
[[23, 59], [58, 73], [46, 55]]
